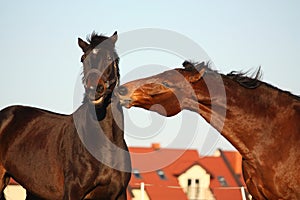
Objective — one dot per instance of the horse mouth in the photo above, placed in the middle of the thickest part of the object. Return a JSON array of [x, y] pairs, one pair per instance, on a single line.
[[95, 98], [97, 101]]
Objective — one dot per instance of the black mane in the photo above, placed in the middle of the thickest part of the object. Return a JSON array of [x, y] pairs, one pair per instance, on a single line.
[[242, 78], [95, 39], [190, 66], [252, 81]]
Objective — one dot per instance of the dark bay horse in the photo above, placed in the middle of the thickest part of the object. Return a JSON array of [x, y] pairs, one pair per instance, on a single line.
[[77, 156], [261, 121]]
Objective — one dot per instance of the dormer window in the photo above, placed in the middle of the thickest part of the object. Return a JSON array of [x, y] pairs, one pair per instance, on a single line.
[[137, 174], [161, 174], [222, 181]]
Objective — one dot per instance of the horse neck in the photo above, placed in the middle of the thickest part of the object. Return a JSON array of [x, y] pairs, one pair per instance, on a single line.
[[251, 115], [106, 119], [103, 138]]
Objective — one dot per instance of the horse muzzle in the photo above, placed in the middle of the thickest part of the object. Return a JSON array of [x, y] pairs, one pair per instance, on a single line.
[[96, 94]]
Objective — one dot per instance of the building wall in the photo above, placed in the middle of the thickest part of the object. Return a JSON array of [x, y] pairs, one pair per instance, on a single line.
[[138, 194], [15, 192], [195, 183]]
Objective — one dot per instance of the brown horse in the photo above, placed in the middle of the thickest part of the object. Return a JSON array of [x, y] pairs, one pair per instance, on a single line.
[[77, 156], [261, 121]]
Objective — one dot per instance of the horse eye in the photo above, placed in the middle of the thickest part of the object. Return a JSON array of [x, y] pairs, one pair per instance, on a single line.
[[166, 84], [100, 89], [109, 58]]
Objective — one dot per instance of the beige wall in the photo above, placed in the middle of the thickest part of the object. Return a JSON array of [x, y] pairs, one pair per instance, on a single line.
[[15, 192], [137, 195], [199, 183]]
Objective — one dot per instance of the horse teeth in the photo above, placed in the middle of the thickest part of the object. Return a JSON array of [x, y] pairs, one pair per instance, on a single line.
[[97, 101]]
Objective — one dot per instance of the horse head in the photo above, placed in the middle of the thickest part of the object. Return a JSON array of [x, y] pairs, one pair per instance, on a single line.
[[100, 67], [166, 93]]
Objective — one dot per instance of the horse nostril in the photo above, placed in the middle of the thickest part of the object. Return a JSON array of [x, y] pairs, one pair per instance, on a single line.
[[100, 89], [122, 90]]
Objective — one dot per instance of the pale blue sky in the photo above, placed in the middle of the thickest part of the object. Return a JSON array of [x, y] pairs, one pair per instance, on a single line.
[[40, 59]]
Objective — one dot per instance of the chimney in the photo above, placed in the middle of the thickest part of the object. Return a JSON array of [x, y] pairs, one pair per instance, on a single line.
[[156, 146]]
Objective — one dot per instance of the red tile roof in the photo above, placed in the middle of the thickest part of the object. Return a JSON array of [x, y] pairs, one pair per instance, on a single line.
[[13, 182], [217, 168], [174, 162], [235, 160], [148, 160], [228, 193]]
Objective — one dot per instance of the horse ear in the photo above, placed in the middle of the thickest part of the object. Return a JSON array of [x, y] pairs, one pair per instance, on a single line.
[[83, 45], [197, 76], [188, 65], [199, 66], [114, 37]]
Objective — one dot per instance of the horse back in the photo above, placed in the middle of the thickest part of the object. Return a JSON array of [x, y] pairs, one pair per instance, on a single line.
[[30, 145]]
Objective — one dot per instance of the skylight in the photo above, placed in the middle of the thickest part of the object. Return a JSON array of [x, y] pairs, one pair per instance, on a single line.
[[161, 174], [136, 173], [222, 181]]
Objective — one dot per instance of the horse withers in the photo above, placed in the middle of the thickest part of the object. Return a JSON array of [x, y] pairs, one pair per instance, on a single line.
[[260, 120], [77, 156]]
